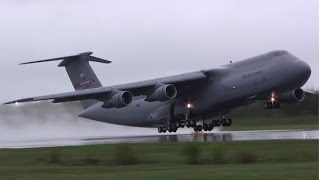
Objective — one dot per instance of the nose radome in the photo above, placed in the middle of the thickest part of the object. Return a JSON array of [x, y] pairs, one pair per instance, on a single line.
[[305, 68], [303, 72]]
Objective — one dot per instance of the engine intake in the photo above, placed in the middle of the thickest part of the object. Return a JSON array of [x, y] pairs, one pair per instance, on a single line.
[[292, 97], [162, 93], [118, 100]]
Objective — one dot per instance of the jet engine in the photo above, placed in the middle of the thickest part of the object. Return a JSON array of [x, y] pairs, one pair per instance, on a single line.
[[162, 93], [292, 97], [118, 100]]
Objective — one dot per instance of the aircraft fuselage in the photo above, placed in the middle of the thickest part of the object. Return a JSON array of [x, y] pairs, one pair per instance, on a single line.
[[229, 86]]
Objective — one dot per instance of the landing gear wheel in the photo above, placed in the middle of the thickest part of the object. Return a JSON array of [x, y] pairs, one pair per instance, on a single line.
[[199, 128], [193, 123], [159, 130], [229, 122], [181, 124], [188, 124], [210, 127], [266, 105], [175, 130], [276, 105], [195, 128], [205, 127], [173, 127], [218, 123], [223, 122], [272, 105], [214, 123]]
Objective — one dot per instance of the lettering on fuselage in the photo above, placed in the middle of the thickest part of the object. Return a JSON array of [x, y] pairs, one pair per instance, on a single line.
[[251, 74], [85, 84]]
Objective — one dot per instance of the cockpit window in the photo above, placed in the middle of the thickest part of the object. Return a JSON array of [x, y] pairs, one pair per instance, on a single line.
[[280, 52]]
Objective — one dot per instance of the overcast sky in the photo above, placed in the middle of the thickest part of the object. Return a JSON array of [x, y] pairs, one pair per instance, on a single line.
[[146, 39]]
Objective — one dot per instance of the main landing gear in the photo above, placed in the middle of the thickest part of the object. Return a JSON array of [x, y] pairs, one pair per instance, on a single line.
[[205, 126], [170, 128], [214, 123]]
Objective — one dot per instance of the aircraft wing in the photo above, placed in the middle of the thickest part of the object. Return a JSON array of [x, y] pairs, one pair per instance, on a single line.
[[70, 96], [184, 83]]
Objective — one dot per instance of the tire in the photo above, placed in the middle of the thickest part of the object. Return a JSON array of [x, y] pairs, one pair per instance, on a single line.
[[223, 122], [195, 128], [188, 124], [210, 127], [270, 105], [214, 123], [175, 130], [199, 128], [229, 122], [218, 123], [159, 130], [192, 124], [205, 127]]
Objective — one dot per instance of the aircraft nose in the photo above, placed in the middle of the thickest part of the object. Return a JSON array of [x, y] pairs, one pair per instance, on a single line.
[[303, 70]]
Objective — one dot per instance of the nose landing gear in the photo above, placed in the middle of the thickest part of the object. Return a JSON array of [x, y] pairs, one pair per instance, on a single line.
[[272, 105]]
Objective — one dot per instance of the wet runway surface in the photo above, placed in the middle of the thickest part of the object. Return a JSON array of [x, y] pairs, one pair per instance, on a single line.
[[201, 137]]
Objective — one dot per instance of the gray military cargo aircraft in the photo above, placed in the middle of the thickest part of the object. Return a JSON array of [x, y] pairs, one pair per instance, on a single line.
[[190, 99]]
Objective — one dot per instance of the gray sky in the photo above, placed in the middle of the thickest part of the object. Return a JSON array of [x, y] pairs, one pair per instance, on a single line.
[[146, 39]]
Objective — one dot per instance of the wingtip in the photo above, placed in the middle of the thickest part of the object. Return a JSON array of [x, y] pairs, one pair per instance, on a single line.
[[6, 103]]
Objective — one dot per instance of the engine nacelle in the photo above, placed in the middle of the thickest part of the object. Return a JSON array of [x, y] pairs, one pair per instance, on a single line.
[[292, 97], [118, 100], [163, 93]]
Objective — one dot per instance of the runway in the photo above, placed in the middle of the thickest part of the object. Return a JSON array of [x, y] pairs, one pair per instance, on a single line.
[[199, 137]]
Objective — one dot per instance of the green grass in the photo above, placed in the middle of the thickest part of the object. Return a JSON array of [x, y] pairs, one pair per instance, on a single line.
[[281, 171], [273, 160]]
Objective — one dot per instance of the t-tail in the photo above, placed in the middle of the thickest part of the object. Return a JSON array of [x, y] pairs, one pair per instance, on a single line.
[[80, 72]]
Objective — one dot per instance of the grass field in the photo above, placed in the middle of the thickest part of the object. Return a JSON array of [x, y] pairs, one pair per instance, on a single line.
[[222, 160]]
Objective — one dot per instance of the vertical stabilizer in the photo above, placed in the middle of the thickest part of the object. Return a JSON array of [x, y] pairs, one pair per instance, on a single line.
[[80, 72]]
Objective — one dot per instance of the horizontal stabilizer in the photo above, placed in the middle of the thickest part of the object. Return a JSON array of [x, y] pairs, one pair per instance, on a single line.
[[67, 59]]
